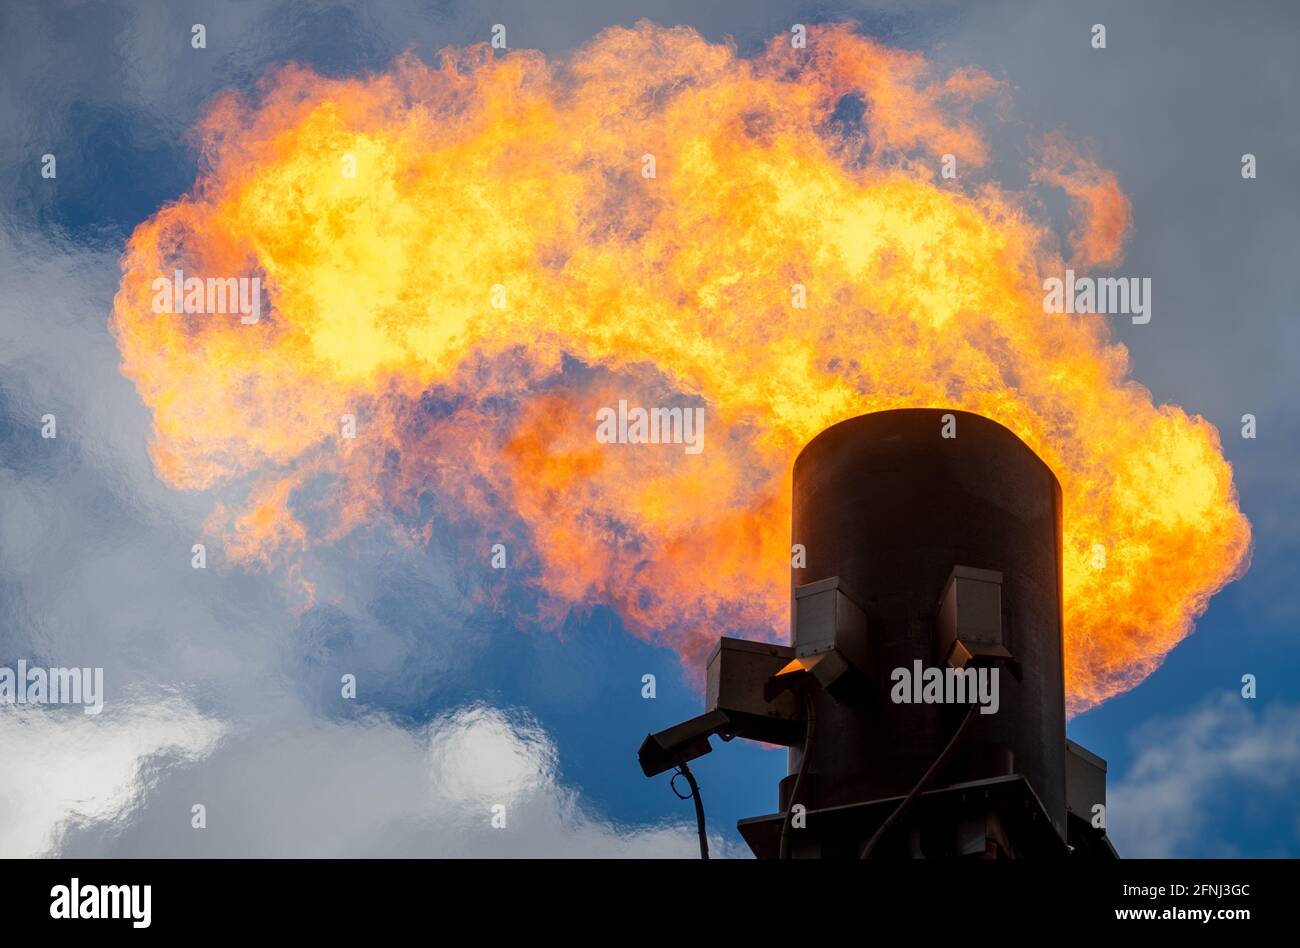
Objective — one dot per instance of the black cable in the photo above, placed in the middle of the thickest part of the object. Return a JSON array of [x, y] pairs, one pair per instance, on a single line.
[[683, 770], [901, 810], [786, 841]]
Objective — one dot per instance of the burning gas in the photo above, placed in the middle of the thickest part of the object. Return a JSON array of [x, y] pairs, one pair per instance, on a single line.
[[473, 260]]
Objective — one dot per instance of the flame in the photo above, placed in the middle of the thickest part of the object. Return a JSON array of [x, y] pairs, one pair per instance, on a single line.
[[519, 180]]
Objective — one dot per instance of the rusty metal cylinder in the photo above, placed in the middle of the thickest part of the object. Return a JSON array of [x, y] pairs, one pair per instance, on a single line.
[[890, 505]]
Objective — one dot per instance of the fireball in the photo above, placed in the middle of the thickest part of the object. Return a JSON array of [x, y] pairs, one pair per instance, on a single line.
[[471, 260]]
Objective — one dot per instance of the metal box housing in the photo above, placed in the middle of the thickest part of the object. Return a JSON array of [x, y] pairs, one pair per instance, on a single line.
[[830, 637], [1085, 780], [970, 617], [738, 671]]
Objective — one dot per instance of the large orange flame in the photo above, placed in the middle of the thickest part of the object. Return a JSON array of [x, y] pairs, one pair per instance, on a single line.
[[816, 166]]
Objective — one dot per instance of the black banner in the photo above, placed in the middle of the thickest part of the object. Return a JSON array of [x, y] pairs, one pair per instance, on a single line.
[[335, 897]]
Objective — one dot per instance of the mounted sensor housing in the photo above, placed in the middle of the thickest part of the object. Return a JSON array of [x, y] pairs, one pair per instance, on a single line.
[[830, 636], [970, 618]]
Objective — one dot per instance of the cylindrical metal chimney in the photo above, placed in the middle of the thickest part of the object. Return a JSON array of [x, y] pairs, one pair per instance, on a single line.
[[891, 503]]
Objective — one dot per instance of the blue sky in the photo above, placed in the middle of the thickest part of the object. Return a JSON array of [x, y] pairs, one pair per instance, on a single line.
[[224, 680]]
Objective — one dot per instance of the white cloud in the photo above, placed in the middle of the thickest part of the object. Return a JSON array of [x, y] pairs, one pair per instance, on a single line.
[[297, 785], [480, 755], [62, 766], [1193, 774]]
